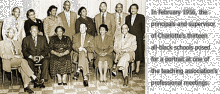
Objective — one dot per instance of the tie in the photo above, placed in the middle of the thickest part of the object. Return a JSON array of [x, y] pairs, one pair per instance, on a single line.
[[119, 19], [35, 41], [13, 48], [103, 20]]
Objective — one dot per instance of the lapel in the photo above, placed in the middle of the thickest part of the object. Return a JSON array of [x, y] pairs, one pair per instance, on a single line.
[[99, 17], [107, 18], [64, 17], [71, 18], [86, 39], [135, 19]]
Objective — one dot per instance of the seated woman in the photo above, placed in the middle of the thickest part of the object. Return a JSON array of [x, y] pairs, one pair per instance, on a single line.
[[103, 49], [60, 48]]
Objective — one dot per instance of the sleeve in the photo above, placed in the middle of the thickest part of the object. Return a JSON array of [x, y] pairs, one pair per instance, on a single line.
[[77, 26], [4, 28], [26, 27], [110, 48], [41, 27], [51, 45], [3, 53], [25, 48], [143, 24], [113, 24], [133, 46], [96, 25], [74, 22], [126, 20], [116, 48], [46, 47], [90, 46], [69, 44], [97, 50], [60, 21], [22, 30], [45, 25], [74, 46]]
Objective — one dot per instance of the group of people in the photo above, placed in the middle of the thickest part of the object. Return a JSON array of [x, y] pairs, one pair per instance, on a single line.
[[61, 40]]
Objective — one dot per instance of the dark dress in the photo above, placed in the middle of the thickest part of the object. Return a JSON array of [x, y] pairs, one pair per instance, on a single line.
[[28, 23], [60, 65], [105, 46], [137, 29], [91, 29]]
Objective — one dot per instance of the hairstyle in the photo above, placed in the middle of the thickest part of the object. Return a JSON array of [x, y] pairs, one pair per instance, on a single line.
[[101, 4], [50, 8], [129, 10], [123, 25], [63, 29], [34, 26], [14, 10], [105, 26], [65, 2], [117, 5], [80, 9], [29, 11]]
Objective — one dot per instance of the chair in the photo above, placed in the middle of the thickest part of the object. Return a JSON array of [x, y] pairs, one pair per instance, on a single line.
[[16, 71], [74, 59], [38, 66], [129, 69]]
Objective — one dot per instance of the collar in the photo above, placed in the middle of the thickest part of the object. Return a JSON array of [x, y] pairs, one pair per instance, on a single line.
[[50, 17], [82, 34], [66, 12], [33, 37], [119, 13], [104, 13], [134, 15]]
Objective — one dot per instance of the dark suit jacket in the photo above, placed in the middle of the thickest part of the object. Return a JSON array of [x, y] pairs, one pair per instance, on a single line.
[[138, 28], [70, 30], [28, 23], [88, 42], [28, 47], [109, 21], [91, 29]]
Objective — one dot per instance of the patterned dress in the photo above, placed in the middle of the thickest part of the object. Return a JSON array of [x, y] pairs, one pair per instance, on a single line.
[[60, 65]]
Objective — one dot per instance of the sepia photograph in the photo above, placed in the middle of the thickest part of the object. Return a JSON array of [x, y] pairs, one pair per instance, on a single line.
[[72, 46]]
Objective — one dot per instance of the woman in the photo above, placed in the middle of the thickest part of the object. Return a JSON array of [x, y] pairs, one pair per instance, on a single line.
[[86, 20], [136, 24], [33, 21], [60, 48], [51, 22], [103, 49]]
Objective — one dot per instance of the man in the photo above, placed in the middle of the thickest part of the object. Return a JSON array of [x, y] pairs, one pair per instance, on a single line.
[[119, 17], [105, 17], [35, 50], [125, 44], [83, 46], [14, 22], [68, 18], [10, 52]]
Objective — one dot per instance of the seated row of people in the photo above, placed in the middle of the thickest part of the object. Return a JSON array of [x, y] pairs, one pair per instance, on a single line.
[[68, 19], [35, 49]]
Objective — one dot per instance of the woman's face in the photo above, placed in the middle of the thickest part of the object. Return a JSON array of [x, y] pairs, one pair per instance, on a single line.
[[83, 12], [53, 12], [59, 32], [134, 10], [102, 31], [32, 16]]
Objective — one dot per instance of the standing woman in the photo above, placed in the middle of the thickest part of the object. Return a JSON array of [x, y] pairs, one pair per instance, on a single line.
[[33, 21], [136, 24], [91, 29], [103, 49], [60, 48], [51, 22]]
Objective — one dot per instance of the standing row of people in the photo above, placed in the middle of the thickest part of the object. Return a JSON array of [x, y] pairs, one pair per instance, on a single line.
[[103, 35]]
